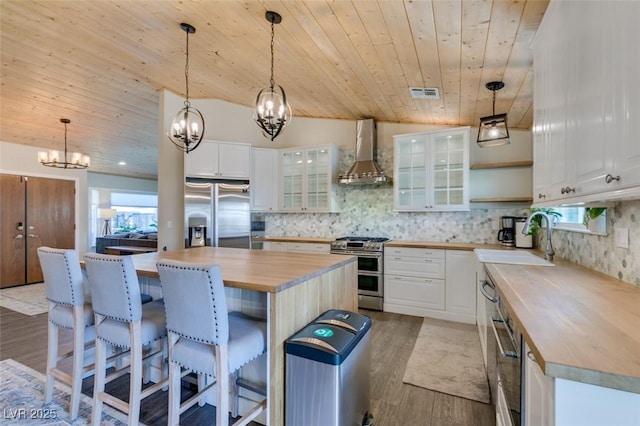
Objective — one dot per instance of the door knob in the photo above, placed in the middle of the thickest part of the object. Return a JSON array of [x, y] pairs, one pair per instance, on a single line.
[[18, 237], [32, 236]]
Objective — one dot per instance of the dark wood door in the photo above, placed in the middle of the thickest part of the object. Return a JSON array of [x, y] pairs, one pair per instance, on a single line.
[[45, 209], [50, 219], [12, 239]]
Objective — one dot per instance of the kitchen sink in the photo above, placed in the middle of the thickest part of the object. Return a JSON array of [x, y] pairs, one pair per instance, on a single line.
[[515, 257]]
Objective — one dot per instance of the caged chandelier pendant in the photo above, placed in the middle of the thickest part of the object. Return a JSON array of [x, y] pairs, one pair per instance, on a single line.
[[187, 127], [54, 158], [272, 112], [493, 129]]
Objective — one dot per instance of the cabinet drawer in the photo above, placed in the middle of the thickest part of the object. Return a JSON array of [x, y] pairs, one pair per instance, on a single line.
[[417, 292], [414, 252], [274, 245], [414, 266], [309, 247]]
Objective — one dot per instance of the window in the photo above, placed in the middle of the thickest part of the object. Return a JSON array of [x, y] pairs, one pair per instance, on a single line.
[[134, 212], [573, 219]]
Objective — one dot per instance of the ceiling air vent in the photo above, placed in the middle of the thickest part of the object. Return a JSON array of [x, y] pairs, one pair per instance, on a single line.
[[424, 92]]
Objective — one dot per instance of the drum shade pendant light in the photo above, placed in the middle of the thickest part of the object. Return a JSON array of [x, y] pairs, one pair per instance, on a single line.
[[493, 129], [187, 127], [54, 158], [272, 112]]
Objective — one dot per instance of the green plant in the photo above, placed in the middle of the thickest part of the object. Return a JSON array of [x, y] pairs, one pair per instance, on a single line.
[[536, 222], [591, 213]]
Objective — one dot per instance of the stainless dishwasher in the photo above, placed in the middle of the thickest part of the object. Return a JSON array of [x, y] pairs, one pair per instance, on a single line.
[[504, 361]]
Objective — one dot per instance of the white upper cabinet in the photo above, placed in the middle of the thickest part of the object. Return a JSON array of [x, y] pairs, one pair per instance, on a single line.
[[587, 103], [264, 179], [431, 171], [219, 160], [307, 178]]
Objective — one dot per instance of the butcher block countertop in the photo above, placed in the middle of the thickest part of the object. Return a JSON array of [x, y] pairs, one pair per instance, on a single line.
[[313, 240], [580, 324], [442, 245], [259, 270]]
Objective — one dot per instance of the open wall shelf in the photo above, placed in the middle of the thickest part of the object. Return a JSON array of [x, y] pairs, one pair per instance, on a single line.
[[502, 165]]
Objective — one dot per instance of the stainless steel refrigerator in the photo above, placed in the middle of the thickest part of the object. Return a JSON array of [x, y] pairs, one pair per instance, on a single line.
[[217, 213]]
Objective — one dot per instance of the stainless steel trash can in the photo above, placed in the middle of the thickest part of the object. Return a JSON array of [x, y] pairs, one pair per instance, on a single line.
[[328, 367]]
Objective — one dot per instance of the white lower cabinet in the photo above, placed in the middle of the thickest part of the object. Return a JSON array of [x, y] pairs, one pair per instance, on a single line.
[[413, 295], [274, 246], [296, 247], [481, 309], [430, 282], [538, 393], [550, 401], [309, 247], [461, 285]]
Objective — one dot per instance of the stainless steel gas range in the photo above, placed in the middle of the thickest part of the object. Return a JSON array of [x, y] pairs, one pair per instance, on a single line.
[[370, 253]]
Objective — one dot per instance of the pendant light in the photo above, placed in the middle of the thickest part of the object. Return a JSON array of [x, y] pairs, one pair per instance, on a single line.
[[272, 112], [493, 129], [54, 158], [187, 127]]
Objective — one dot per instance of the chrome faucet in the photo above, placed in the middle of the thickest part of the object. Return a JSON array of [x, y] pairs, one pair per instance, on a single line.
[[548, 251]]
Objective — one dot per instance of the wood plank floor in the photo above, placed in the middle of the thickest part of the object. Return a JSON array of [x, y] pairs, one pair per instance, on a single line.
[[393, 403]]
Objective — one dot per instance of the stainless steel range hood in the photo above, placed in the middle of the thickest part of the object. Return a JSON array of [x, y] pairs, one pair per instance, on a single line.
[[365, 170]]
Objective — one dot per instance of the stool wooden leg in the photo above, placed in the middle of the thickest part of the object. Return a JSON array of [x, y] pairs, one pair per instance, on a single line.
[[52, 361], [99, 380], [175, 385], [78, 361], [222, 391], [135, 385]]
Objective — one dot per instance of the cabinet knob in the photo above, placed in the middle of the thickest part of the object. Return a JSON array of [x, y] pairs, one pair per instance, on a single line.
[[540, 195], [567, 190], [610, 178]]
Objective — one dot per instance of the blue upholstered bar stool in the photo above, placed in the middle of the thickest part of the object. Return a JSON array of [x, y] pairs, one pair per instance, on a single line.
[[204, 338], [122, 321], [68, 308]]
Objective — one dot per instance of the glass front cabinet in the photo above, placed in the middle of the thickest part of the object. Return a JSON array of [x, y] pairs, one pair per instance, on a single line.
[[307, 177], [431, 171]]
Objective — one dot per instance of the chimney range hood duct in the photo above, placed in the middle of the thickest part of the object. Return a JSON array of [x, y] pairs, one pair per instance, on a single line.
[[365, 170]]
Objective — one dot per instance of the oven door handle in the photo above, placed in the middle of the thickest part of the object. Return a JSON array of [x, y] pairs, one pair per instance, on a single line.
[[503, 353], [487, 283]]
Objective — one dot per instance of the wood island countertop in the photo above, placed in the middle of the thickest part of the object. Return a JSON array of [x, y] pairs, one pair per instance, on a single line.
[[259, 270], [580, 324]]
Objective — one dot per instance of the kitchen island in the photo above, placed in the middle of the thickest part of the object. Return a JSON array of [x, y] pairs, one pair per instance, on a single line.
[[287, 289]]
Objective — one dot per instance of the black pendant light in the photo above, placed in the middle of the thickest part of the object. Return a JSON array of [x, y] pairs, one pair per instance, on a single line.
[[272, 112], [187, 127], [54, 158], [493, 129]]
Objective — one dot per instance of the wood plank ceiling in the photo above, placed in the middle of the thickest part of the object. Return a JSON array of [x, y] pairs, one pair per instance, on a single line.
[[101, 64]]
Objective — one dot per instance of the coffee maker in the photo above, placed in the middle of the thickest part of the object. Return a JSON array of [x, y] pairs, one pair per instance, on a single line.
[[507, 234]]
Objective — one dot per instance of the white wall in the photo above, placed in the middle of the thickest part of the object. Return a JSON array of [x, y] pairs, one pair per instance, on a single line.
[[23, 160]]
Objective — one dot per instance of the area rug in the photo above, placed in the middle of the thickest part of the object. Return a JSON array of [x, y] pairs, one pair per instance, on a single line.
[[447, 358], [25, 299], [22, 400]]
